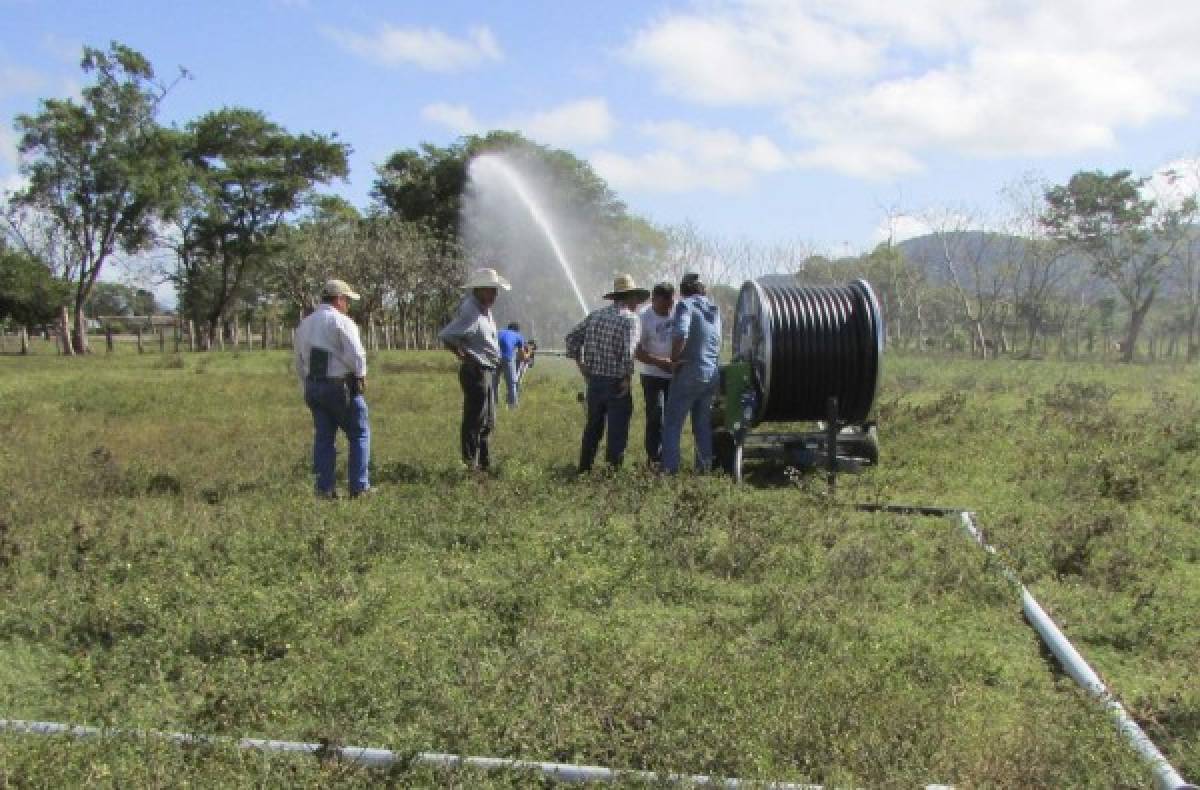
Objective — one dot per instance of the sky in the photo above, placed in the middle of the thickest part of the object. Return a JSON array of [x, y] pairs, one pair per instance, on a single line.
[[811, 121]]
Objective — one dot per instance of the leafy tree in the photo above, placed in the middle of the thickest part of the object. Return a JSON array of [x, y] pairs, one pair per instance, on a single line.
[[309, 254], [116, 299], [103, 169], [1128, 237], [247, 176], [29, 294]]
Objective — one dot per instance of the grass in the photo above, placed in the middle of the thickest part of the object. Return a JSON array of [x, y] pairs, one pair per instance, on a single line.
[[165, 566]]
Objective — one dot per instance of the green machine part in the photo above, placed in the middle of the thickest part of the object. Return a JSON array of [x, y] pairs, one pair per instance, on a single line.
[[739, 397]]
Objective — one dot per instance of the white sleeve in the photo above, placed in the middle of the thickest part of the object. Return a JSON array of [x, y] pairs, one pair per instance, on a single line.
[[357, 356]]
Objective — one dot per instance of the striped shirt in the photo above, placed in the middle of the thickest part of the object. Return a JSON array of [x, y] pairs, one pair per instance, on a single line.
[[604, 342]]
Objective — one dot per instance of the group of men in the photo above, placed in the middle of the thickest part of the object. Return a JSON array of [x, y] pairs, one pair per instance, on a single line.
[[676, 345], [673, 343]]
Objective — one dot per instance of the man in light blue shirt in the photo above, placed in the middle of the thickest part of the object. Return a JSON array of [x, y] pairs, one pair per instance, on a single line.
[[695, 351], [471, 336]]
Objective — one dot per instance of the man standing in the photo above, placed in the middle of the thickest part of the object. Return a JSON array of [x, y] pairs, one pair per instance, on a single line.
[[695, 348], [471, 336], [602, 345], [654, 365], [513, 349], [333, 373]]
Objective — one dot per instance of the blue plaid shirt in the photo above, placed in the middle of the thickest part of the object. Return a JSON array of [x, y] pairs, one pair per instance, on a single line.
[[604, 342]]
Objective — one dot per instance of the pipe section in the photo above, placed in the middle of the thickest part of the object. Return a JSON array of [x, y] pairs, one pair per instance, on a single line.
[[1165, 776], [381, 758]]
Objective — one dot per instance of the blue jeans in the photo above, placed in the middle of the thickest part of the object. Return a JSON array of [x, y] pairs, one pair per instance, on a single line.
[[605, 404], [655, 389], [690, 394], [507, 370], [333, 408]]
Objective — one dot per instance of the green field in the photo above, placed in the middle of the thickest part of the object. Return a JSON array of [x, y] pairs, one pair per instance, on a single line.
[[165, 566]]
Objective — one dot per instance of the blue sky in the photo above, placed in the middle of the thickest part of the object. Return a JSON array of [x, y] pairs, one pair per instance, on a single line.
[[775, 121]]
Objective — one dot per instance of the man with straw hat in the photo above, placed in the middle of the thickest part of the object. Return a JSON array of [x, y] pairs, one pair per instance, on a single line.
[[603, 346], [332, 366], [471, 336]]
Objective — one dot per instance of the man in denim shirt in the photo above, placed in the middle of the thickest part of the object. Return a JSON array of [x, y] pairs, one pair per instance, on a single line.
[[695, 350]]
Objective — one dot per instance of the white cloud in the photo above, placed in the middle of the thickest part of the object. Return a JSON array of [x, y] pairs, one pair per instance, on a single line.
[[749, 53], [687, 157], [583, 122], [978, 77], [425, 48], [899, 228], [667, 171], [456, 117], [872, 161], [575, 123]]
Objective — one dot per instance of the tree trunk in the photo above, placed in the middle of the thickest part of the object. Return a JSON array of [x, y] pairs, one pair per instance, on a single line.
[[79, 337], [64, 331], [1136, 319]]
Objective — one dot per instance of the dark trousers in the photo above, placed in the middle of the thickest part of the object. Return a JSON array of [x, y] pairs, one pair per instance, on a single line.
[[479, 414], [655, 389], [605, 405]]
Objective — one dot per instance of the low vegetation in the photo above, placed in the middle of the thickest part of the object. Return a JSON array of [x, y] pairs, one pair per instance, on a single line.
[[165, 566]]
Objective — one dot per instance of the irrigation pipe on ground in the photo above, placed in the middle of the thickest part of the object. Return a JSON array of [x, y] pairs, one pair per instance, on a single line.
[[1165, 776]]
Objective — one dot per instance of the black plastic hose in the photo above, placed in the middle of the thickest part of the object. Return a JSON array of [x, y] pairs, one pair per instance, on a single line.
[[810, 343]]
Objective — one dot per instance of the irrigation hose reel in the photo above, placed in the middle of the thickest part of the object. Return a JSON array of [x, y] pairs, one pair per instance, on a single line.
[[801, 354]]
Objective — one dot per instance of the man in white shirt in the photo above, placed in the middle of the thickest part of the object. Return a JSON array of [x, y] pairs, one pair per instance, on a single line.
[[654, 364], [332, 366]]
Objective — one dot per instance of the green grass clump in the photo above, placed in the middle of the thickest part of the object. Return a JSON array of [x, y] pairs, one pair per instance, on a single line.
[[165, 566]]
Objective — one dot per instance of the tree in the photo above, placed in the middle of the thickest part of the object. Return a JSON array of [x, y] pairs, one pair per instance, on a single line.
[[29, 294], [247, 176], [116, 299], [102, 170], [1128, 237], [1037, 264]]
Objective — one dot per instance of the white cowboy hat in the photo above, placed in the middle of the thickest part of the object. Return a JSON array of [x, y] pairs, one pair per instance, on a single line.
[[486, 278], [623, 285], [339, 288]]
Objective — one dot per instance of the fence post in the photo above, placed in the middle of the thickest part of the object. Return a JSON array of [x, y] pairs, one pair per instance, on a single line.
[[139, 341], [108, 339], [24, 341], [220, 337], [265, 333], [278, 336], [191, 335], [162, 341]]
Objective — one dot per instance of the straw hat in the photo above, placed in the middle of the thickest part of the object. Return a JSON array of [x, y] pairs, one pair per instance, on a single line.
[[623, 286], [486, 278], [339, 288]]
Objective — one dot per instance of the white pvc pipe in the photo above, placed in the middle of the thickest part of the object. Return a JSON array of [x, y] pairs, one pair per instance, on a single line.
[[379, 758], [1166, 777]]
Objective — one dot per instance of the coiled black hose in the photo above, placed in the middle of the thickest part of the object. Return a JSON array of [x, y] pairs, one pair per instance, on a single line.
[[810, 343]]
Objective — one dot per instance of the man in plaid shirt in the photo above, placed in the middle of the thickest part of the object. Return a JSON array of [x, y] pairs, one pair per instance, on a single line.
[[603, 345]]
